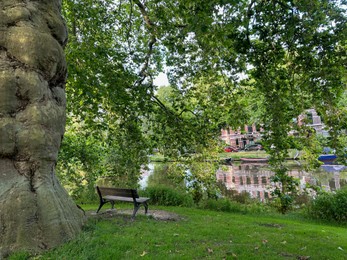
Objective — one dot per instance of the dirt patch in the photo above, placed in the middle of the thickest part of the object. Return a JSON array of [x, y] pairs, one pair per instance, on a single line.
[[272, 225], [155, 214]]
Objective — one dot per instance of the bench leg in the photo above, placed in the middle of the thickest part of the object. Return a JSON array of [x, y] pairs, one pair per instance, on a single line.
[[136, 208], [146, 207], [102, 203], [100, 206]]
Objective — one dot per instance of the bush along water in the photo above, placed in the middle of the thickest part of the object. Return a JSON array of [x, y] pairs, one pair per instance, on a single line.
[[167, 196], [330, 206]]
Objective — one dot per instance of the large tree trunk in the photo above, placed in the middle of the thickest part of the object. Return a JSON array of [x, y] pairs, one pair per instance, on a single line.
[[35, 211]]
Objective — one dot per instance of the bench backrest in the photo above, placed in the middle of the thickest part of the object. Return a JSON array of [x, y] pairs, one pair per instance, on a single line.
[[103, 191]]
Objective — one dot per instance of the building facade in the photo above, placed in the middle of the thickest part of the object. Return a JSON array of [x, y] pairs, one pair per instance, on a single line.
[[251, 134], [241, 137]]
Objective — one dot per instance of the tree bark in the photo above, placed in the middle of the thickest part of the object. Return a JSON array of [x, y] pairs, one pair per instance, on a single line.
[[36, 213]]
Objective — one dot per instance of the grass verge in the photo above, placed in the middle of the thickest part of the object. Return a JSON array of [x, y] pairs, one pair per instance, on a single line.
[[204, 234]]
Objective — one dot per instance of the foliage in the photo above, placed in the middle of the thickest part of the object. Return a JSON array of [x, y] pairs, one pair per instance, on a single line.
[[232, 201], [84, 159], [285, 190], [228, 62], [243, 197], [199, 177], [127, 153], [330, 206], [102, 102], [288, 76], [162, 176], [167, 196], [81, 162], [165, 189], [116, 105]]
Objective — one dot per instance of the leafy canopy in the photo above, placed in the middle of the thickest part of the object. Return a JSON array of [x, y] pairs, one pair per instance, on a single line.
[[229, 63]]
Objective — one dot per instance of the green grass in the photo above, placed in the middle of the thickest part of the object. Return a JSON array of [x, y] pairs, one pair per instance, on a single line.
[[205, 234], [245, 154]]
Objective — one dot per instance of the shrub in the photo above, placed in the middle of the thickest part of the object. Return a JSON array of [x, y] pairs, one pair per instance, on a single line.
[[242, 197], [166, 196], [85, 195], [225, 205], [301, 200], [330, 206]]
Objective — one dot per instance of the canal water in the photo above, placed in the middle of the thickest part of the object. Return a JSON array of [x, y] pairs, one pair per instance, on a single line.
[[254, 178]]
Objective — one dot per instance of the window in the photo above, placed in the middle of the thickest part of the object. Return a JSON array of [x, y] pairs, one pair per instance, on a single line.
[[256, 180], [263, 180], [309, 118]]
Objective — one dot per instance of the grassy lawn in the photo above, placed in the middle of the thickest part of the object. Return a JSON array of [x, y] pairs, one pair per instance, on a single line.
[[254, 154], [245, 154], [204, 234]]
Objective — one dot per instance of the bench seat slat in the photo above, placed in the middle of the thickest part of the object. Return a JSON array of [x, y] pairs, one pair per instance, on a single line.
[[109, 197], [142, 199]]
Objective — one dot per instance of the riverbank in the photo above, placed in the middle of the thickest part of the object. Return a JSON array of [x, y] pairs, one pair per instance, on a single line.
[[222, 156]]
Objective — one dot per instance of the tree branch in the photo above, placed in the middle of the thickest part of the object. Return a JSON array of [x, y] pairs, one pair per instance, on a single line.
[[151, 28], [143, 73]]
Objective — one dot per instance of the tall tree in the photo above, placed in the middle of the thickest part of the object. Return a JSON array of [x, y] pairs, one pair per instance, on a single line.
[[35, 211]]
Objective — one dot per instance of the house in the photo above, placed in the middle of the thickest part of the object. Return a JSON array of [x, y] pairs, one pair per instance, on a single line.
[[252, 133], [240, 138], [312, 119]]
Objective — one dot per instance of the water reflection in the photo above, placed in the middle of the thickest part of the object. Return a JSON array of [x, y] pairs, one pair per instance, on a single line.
[[254, 178]]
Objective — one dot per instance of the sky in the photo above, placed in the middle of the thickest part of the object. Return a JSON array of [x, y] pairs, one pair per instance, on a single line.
[[161, 80]]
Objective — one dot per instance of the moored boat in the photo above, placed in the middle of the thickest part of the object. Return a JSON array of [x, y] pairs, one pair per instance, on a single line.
[[327, 158]]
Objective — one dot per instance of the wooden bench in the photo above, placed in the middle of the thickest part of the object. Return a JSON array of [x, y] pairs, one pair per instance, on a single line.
[[127, 195]]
